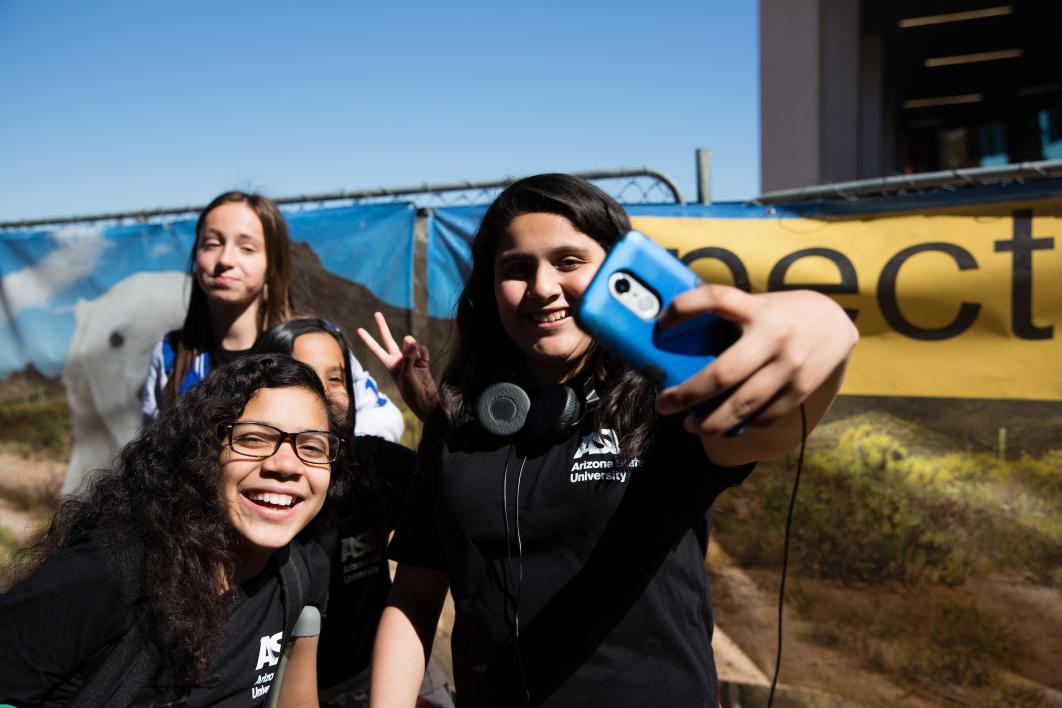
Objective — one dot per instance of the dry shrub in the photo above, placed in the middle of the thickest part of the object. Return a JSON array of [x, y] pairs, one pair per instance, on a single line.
[[911, 636]]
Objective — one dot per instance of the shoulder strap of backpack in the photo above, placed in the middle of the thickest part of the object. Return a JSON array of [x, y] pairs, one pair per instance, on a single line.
[[294, 586], [124, 673]]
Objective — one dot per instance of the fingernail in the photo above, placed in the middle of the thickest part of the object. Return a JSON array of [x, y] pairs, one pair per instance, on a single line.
[[692, 424]]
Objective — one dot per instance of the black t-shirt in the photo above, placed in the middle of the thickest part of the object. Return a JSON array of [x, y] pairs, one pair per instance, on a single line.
[[220, 357], [360, 580], [58, 626], [598, 564]]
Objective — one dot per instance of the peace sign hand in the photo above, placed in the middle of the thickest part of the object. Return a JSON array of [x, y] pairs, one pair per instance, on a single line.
[[407, 365]]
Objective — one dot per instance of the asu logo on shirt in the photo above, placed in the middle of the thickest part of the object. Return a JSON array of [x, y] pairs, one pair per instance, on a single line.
[[269, 650], [595, 459], [600, 442], [268, 655], [360, 556]]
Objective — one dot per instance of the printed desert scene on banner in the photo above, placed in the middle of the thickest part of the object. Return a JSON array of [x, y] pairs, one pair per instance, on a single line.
[[34, 451]]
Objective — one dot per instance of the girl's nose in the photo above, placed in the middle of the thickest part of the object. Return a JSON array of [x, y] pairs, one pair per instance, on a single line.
[[284, 461], [227, 256], [544, 285]]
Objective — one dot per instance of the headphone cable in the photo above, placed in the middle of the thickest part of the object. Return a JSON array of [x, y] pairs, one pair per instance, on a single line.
[[519, 561], [785, 549]]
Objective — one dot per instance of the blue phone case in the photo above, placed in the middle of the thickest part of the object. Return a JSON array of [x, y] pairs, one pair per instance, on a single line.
[[670, 356]]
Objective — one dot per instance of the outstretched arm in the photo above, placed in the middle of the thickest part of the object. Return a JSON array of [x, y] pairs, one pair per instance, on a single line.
[[405, 634], [793, 349], [407, 365]]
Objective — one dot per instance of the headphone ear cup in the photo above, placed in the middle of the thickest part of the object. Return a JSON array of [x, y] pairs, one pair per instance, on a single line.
[[556, 409], [502, 408]]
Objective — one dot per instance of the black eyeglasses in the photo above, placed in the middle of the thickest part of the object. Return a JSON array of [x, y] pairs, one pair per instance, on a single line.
[[261, 440]]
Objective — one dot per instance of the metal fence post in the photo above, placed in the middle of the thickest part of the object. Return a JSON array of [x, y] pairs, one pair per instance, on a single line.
[[704, 176], [418, 315]]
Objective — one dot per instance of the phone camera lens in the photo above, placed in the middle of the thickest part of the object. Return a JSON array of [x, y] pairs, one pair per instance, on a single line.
[[623, 285]]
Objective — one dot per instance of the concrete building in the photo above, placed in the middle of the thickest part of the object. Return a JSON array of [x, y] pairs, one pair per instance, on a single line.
[[857, 89]]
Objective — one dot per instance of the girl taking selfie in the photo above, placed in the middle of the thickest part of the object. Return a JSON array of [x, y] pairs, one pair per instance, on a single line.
[[574, 548]]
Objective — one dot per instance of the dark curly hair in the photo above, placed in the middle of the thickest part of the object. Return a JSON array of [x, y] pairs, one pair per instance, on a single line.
[[482, 351], [161, 499]]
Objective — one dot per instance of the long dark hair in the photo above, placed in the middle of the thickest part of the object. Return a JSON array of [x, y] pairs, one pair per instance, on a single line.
[[196, 335], [353, 482], [482, 351], [161, 502]]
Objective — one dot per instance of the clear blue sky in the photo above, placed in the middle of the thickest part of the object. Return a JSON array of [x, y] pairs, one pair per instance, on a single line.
[[127, 105]]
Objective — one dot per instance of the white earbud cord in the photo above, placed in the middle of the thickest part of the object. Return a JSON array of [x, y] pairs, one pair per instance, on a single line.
[[519, 559]]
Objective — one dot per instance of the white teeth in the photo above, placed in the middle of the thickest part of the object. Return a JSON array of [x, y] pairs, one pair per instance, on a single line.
[[547, 317], [270, 498]]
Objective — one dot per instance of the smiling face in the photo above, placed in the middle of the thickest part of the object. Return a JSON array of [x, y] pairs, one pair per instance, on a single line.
[[322, 353], [269, 501], [230, 255], [542, 266]]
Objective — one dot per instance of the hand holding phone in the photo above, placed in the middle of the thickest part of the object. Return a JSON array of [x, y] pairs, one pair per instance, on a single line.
[[621, 306]]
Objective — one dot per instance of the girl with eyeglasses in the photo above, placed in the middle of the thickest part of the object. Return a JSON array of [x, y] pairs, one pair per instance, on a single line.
[[176, 577]]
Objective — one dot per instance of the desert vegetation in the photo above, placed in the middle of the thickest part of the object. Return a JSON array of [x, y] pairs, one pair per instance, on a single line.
[[896, 533]]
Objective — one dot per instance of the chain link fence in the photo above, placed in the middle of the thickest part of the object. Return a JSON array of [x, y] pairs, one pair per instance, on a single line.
[[900, 185], [628, 186]]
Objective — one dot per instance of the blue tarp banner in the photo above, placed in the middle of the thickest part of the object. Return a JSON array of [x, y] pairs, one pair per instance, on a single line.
[[371, 245], [46, 273], [450, 233]]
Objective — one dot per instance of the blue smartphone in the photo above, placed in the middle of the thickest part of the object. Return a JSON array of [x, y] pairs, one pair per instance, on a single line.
[[620, 308]]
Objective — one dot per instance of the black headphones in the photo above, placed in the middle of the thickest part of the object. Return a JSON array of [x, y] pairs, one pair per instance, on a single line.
[[505, 409]]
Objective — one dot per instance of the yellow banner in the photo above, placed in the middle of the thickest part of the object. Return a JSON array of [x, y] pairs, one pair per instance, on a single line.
[[961, 302]]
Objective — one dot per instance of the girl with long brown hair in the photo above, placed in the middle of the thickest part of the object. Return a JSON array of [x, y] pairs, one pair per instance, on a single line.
[[241, 285], [241, 268]]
